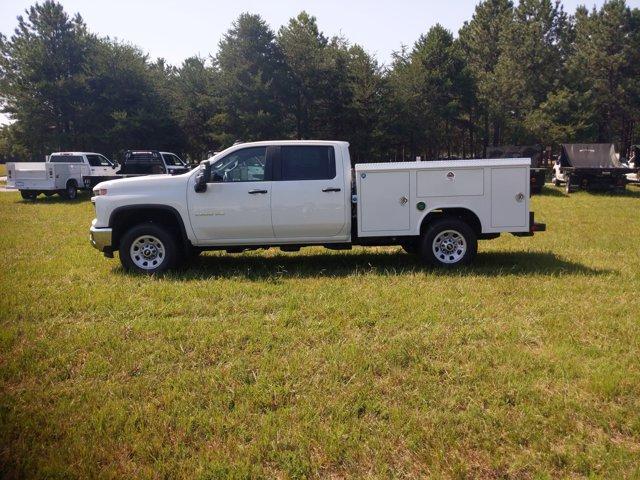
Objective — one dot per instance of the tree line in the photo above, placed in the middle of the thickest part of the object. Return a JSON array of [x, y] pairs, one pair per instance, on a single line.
[[514, 74]]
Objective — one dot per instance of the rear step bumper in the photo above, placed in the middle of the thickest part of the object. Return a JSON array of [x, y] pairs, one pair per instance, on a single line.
[[533, 227]]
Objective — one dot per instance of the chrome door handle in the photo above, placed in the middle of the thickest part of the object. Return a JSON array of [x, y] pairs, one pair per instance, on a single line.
[[331, 189], [252, 192]]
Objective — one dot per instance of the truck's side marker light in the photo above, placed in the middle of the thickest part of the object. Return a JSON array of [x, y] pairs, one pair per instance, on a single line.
[[421, 206]]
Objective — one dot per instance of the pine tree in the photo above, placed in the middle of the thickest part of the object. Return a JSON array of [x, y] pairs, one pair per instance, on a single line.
[[43, 76], [252, 82]]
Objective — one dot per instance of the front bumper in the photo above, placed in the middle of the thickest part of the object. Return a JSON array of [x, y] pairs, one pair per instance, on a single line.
[[101, 239]]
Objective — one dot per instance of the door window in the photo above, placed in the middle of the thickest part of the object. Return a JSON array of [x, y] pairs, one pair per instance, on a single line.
[[308, 163], [173, 160], [98, 161], [246, 165]]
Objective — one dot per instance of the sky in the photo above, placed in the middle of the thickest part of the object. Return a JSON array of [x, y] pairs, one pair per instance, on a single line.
[[176, 30]]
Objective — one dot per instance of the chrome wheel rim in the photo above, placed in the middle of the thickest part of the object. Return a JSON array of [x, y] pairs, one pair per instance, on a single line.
[[449, 246], [147, 252]]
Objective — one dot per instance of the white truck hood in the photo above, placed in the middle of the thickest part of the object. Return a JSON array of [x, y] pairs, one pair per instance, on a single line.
[[145, 183]]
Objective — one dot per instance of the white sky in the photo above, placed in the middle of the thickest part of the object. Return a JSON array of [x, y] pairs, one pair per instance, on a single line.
[[176, 29]]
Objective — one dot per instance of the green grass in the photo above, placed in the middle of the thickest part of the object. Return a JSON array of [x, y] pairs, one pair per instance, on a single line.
[[320, 364]]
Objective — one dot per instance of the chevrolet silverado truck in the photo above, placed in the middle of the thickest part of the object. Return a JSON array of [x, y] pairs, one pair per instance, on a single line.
[[62, 173], [292, 194]]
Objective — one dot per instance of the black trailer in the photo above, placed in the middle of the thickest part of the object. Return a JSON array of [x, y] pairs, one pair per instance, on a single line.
[[534, 152], [592, 166]]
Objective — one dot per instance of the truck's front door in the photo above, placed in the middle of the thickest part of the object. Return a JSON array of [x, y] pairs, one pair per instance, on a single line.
[[308, 198], [236, 206]]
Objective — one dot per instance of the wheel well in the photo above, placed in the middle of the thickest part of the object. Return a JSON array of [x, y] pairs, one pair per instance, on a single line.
[[72, 181], [463, 214], [123, 219]]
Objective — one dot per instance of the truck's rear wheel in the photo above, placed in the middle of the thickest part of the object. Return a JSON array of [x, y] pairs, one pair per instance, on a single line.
[[148, 248], [70, 192], [449, 243], [28, 194]]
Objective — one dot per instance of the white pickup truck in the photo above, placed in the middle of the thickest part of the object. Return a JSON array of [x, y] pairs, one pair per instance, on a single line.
[[62, 172], [291, 194]]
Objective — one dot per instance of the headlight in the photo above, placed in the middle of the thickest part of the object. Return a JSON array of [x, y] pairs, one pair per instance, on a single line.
[[99, 191]]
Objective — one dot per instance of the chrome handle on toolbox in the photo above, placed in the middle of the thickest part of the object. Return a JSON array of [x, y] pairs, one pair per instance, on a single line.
[[257, 191], [331, 189]]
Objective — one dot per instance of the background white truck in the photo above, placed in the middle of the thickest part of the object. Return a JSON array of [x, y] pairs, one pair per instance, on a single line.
[[291, 194], [62, 172]]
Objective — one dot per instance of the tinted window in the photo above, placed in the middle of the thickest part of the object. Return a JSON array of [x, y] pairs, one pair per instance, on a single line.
[[144, 158], [171, 159], [66, 159], [308, 163], [98, 161], [246, 165]]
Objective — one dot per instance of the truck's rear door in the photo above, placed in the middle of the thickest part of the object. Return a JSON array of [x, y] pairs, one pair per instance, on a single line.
[[308, 196]]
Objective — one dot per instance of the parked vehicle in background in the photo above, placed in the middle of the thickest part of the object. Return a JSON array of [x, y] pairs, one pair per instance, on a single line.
[[534, 152], [62, 172], [291, 194], [150, 162], [590, 166], [634, 163]]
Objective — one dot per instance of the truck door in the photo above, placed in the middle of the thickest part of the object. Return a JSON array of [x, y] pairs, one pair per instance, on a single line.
[[308, 198], [236, 207]]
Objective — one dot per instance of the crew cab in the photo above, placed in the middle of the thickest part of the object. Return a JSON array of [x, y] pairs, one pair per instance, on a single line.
[[62, 172], [291, 194]]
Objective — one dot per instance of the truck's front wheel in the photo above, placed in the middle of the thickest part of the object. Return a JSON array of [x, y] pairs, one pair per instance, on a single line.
[[148, 248], [28, 194], [449, 243]]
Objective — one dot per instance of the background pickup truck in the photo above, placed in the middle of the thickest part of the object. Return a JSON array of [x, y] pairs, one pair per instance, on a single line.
[[292, 194], [62, 172], [149, 162]]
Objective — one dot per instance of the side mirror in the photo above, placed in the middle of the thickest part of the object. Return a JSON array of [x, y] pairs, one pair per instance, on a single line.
[[201, 183], [201, 179]]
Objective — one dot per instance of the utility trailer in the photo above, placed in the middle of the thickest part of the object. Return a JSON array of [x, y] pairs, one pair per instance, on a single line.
[[533, 152], [590, 166]]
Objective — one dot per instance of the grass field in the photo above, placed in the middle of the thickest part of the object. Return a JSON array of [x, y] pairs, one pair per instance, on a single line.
[[319, 364]]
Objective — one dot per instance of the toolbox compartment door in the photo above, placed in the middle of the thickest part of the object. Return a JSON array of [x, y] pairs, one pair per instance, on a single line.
[[510, 197], [384, 201]]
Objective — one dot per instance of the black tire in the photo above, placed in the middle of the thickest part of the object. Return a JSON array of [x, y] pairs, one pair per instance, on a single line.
[[452, 232], [187, 256], [157, 240], [412, 248], [70, 192], [28, 194]]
